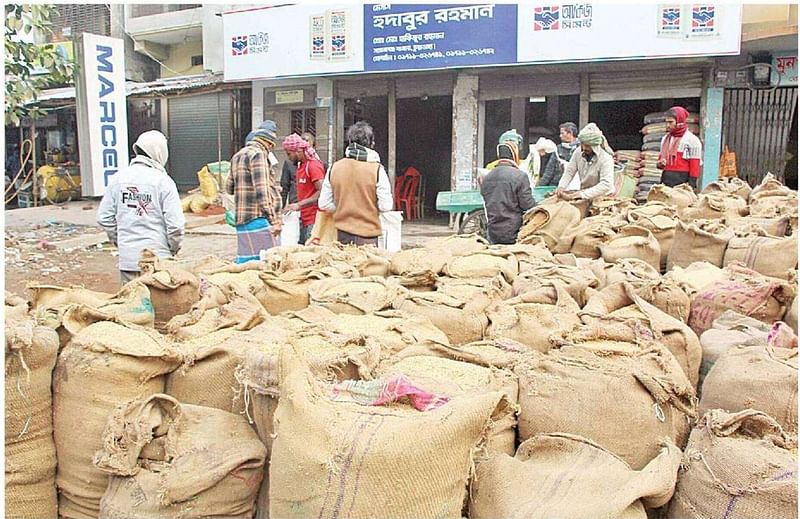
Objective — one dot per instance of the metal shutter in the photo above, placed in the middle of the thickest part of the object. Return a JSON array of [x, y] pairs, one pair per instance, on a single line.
[[499, 85], [193, 135], [645, 84]]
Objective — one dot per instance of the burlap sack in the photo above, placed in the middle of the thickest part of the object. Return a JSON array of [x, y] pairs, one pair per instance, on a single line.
[[630, 270], [426, 477], [173, 291], [663, 230], [695, 277], [714, 207], [288, 291], [754, 377], [30, 452], [51, 296], [424, 281], [611, 206], [356, 296], [466, 288], [483, 264], [527, 254], [774, 257], [531, 323], [666, 295], [633, 242], [715, 342], [104, 365], [584, 481], [248, 280], [744, 291], [588, 235], [729, 185], [626, 400], [651, 210], [368, 260], [452, 378], [769, 186], [791, 316], [490, 353], [698, 241], [538, 279], [242, 312], [777, 226], [550, 223], [436, 253], [680, 197], [169, 459], [131, 305], [737, 466], [15, 307]]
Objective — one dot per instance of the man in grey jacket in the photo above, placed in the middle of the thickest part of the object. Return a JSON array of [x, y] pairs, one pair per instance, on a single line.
[[506, 192], [141, 208]]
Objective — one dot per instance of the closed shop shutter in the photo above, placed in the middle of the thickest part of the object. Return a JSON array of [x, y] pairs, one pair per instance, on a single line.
[[505, 86], [645, 84], [192, 135]]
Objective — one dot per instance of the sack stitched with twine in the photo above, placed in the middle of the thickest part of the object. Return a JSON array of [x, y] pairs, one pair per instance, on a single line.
[[168, 459], [626, 398], [104, 365], [633, 242], [754, 377], [767, 255], [30, 452], [777, 226], [332, 459], [583, 481], [737, 466], [698, 241], [680, 197]]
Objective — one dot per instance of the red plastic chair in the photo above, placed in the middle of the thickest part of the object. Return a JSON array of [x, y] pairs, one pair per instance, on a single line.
[[407, 201]]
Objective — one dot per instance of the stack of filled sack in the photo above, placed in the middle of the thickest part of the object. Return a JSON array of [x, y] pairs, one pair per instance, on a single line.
[[653, 132], [441, 381]]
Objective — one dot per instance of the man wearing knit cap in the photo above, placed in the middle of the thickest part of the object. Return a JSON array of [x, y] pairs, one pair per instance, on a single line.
[[308, 178], [141, 208], [594, 166], [680, 150], [514, 139], [256, 190]]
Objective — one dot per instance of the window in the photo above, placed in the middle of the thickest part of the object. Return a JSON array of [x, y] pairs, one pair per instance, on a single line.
[[197, 61], [304, 121]]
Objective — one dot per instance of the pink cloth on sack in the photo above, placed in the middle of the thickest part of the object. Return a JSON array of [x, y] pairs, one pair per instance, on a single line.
[[387, 391]]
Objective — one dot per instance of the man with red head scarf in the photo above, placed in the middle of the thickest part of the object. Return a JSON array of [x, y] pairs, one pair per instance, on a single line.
[[680, 150], [309, 177]]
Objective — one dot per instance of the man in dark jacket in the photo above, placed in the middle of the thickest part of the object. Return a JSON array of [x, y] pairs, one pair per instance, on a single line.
[[506, 193]]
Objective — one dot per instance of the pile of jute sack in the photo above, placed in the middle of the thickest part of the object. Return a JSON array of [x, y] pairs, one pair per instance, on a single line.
[[564, 376]]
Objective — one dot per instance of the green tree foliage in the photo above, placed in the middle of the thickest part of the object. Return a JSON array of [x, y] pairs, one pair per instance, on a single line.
[[23, 59]]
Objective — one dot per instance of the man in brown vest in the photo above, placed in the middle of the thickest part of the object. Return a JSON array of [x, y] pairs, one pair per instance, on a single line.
[[356, 189]]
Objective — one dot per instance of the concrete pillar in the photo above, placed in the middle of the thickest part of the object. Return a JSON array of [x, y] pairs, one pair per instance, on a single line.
[[391, 160], [711, 134], [518, 105], [465, 127], [583, 117]]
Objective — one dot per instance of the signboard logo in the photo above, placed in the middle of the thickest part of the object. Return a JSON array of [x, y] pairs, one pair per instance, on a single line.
[[546, 18], [239, 45], [703, 18], [671, 19]]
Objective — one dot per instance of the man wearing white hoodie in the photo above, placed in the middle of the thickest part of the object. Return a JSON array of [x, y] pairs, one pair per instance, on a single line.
[[141, 208]]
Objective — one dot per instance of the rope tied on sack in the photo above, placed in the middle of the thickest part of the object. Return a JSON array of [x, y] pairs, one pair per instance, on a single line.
[[18, 338]]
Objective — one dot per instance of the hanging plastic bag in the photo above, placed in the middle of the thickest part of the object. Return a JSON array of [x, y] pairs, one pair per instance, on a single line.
[[727, 164], [290, 228]]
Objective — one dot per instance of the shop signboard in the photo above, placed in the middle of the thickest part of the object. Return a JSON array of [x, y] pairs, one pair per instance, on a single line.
[[785, 71], [101, 111], [304, 39]]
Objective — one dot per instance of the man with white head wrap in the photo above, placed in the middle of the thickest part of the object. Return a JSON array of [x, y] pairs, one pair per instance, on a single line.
[[141, 208], [594, 166]]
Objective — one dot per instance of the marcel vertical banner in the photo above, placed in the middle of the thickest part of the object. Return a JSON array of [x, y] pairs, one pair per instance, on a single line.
[[102, 111]]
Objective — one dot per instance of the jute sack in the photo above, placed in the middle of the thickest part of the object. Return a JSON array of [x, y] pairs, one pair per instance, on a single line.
[[584, 481], [680, 197], [611, 206], [490, 353], [288, 291], [368, 260], [625, 399], [51, 296], [461, 319], [168, 459], [131, 305], [468, 287], [633, 242], [715, 342], [531, 323], [777, 226], [104, 365], [483, 264], [539, 279], [729, 185], [754, 377], [737, 466], [550, 223], [294, 257], [766, 255], [332, 458], [769, 186], [791, 316], [651, 209], [663, 229], [618, 312], [433, 256], [30, 451], [588, 235], [698, 241], [242, 312], [716, 206], [452, 378], [424, 281], [526, 254], [695, 277], [744, 291], [173, 291], [666, 295], [15, 307], [629, 270], [356, 296]]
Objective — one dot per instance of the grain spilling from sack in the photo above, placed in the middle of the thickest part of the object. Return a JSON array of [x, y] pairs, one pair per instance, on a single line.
[[30, 452], [571, 477], [738, 466]]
